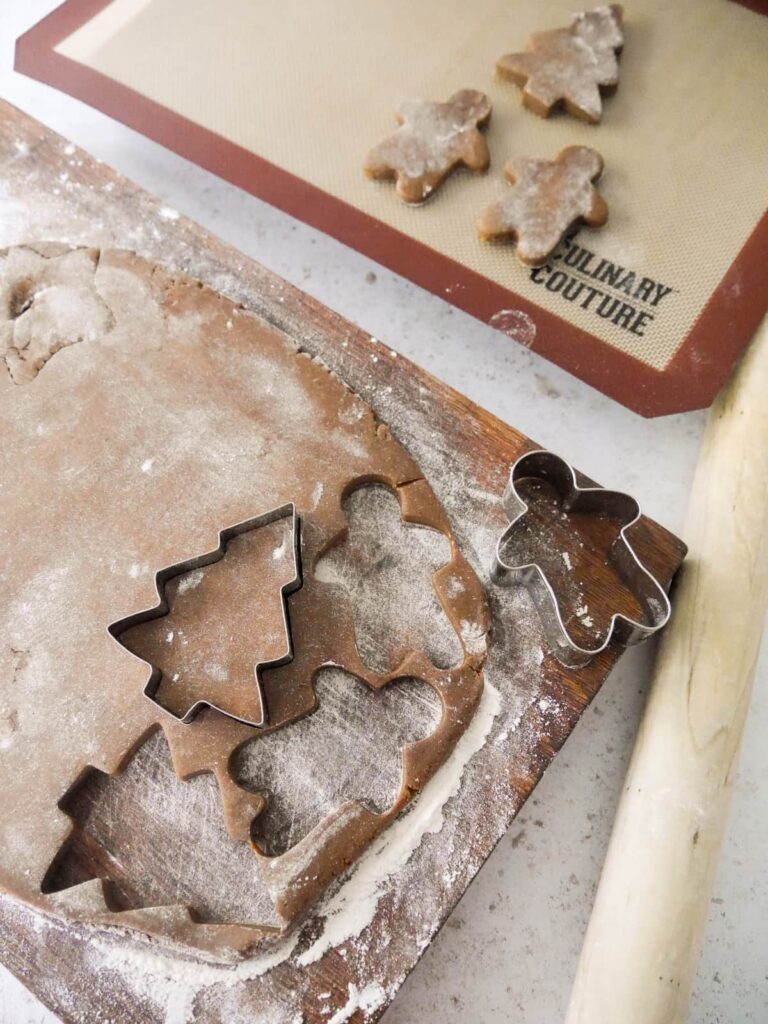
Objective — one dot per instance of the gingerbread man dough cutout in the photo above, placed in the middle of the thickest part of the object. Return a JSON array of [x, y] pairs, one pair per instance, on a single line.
[[570, 65], [548, 198], [432, 139]]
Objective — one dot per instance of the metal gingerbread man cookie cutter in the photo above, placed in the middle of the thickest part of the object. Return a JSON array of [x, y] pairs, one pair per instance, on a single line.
[[163, 576], [622, 629]]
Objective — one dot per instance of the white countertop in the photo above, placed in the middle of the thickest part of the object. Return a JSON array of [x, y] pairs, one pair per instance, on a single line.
[[509, 950]]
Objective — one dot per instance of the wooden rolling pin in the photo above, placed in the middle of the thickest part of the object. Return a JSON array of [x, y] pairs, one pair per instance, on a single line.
[[641, 948]]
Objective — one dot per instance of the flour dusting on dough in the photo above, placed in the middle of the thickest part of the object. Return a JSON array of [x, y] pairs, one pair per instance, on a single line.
[[474, 637]]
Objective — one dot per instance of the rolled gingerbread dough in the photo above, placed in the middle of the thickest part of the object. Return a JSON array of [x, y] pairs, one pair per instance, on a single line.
[[141, 413]]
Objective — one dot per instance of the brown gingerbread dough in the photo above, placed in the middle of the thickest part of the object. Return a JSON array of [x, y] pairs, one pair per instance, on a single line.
[[140, 414], [433, 139], [570, 66], [547, 198]]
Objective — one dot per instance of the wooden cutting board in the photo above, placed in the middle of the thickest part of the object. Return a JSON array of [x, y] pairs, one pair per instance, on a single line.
[[361, 956]]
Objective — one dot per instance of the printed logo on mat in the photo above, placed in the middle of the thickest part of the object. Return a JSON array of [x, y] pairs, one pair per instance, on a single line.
[[607, 289]]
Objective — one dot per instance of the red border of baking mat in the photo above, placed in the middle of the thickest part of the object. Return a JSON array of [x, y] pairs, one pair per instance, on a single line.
[[691, 379]]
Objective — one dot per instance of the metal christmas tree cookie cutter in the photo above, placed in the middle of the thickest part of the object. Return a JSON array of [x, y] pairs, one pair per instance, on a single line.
[[162, 608], [622, 629]]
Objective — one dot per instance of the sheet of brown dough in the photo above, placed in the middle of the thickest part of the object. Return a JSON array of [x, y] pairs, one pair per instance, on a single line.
[[141, 413]]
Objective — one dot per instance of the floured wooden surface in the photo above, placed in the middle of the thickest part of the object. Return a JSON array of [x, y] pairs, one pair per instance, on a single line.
[[307, 770], [364, 938]]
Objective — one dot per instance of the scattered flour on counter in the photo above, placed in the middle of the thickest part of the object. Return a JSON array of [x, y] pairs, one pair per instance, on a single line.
[[180, 1006], [582, 613], [486, 497], [168, 213], [567, 560], [351, 909], [366, 999], [216, 672], [173, 984]]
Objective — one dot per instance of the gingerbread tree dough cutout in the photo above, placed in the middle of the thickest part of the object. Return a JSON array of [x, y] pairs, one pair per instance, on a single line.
[[433, 139], [570, 66], [548, 197], [258, 560]]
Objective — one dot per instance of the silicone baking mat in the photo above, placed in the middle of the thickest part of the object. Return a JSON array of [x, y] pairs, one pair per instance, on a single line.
[[285, 100]]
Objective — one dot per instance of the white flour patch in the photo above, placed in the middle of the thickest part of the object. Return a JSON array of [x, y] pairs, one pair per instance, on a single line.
[[173, 984], [190, 581], [366, 999], [180, 1005], [168, 213], [279, 550], [352, 908], [216, 672], [487, 497], [582, 613], [317, 494], [515, 324], [474, 637], [454, 586]]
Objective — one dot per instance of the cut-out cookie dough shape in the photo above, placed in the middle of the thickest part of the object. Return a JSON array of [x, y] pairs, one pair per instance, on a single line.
[[47, 305], [548, 197], [570, 66], [170, 636], [433, 139]]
